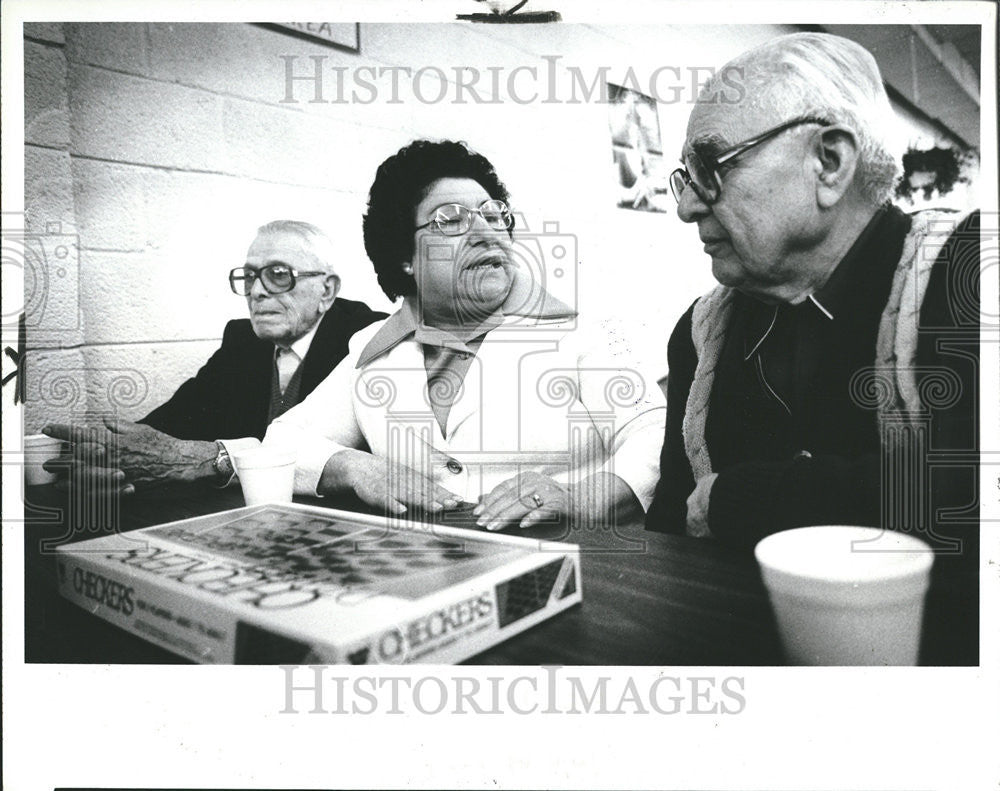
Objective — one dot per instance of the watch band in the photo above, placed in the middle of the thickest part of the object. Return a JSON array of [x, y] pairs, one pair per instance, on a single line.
[[223, 465]]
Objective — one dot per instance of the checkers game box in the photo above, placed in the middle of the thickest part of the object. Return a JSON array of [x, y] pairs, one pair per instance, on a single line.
[[298, 584]]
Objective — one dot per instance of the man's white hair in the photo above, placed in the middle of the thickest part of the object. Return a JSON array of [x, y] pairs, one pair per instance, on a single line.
[[818, 74], [319, 243]]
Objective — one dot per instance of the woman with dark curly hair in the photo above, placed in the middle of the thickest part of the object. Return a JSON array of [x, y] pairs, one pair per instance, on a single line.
[[480, 391]]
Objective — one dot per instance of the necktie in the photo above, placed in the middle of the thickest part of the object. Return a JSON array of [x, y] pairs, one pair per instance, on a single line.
[[288, 363]]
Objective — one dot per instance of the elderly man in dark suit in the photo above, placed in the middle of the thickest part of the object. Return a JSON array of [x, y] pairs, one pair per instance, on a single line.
[[296, 334]]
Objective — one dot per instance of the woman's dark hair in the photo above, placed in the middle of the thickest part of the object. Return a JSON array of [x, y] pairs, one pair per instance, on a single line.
[[401, 182]]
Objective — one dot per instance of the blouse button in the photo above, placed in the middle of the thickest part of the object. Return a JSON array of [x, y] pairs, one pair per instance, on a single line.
[[454, 466], [802, 454]]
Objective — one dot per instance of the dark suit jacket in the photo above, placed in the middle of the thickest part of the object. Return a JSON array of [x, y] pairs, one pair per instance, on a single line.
[[228, 398]]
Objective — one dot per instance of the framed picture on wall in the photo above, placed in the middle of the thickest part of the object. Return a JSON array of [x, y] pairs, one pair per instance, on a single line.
[[637, 150]]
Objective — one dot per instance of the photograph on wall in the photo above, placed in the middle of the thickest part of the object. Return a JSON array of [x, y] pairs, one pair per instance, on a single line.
[[637, 150]]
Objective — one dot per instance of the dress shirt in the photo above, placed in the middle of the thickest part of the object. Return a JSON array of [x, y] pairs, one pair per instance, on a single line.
[[287, 359]]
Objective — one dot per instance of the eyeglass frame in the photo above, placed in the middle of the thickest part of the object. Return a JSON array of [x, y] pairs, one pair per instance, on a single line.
[[256, 275], [713, 163], [436, 222]]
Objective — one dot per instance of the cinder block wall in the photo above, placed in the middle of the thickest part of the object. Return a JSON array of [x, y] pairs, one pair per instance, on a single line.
[[153, 151]]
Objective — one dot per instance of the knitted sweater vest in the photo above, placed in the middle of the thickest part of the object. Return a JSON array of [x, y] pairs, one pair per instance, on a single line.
[[890, 384]]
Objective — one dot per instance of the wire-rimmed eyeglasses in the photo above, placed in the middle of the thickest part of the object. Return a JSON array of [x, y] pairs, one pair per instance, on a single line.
[[454, 219], [276, 278], [702, 172]]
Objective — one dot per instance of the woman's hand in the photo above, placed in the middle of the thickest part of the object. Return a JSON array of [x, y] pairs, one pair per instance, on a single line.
[[525, 500], [383, 484], [531, 497]]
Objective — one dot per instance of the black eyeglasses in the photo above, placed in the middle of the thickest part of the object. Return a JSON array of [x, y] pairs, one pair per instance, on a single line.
[[701, 172], [276, 278], [454, 219]]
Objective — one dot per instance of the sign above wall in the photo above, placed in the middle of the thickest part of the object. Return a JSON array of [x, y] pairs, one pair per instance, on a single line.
[[342, 35]]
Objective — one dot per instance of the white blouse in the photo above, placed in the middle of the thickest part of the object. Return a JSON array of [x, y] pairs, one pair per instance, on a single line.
[[541, 394]]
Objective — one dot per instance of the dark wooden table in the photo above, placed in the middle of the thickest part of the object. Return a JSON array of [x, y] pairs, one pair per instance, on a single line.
[[648, 599]]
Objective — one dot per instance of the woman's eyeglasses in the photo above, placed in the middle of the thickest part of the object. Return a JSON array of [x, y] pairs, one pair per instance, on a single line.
[[454, 219], [276, 278], [702, 172]]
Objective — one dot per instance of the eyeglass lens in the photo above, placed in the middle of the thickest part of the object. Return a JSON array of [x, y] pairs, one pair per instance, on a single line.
[[276, 279], [703, 179], [454, 219]]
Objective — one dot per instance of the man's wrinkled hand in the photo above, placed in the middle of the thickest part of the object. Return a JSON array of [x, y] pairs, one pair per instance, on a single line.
[[122, 457]]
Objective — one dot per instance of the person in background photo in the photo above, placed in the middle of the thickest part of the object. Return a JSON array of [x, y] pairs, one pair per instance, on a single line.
[[842, 328], [481, 391], [296, 334]]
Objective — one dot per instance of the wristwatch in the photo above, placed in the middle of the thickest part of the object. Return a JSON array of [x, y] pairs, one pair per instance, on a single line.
[[223, 465]]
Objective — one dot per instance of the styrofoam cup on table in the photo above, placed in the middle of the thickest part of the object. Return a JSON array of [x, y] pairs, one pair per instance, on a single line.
[[845, 595], [38, 449], [267, 475]]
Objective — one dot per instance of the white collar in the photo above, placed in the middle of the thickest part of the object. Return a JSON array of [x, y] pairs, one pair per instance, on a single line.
[[301, 347]]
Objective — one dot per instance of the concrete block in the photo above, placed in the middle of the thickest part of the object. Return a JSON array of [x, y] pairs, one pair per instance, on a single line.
[[154, 296], [136, 273], [124, 118], [236, 59], [444, 46], [48, 190], [112, 45], [110, 202], [276, 144], [48, 255], [45, 31], [132, 379], [539, 40], [213, 219], [55, 388], [247, 61], [46, 105]]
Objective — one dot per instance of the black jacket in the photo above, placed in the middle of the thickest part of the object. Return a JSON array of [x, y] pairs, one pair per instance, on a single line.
[[228, 398]]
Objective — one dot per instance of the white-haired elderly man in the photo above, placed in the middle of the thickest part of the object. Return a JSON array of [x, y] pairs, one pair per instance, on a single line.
[[840, 323], [297, 332]]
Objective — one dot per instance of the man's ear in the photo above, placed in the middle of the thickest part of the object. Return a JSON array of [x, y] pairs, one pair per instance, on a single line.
[[331, 287], [836, 162]]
